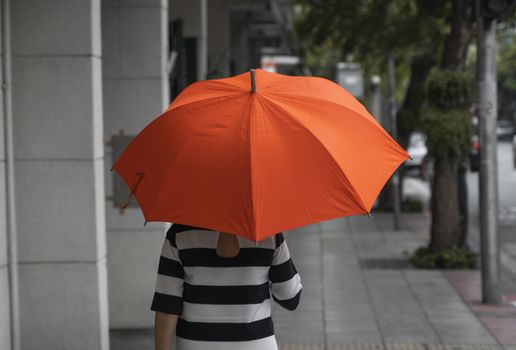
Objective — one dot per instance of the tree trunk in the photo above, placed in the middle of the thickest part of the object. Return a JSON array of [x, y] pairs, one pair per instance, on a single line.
[[457, 42], [445, 205], [446, 213], [420, 68]]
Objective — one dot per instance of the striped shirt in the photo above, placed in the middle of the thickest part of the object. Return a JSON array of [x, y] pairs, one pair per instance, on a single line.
[[224, 303]]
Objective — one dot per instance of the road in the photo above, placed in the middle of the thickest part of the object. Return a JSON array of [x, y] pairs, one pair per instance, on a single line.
[[507, 214], [506, 186]]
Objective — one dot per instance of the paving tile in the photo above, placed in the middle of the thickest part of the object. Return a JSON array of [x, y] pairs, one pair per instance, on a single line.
[[503, 328]]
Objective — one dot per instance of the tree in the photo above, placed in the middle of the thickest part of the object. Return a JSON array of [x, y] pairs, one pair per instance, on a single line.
[[447, 128], [413, 31], [423, 35]]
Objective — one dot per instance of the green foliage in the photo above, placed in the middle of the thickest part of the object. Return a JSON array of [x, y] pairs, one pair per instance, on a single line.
[[371, 30], [447, 132], [448, 89], [445, 120], [453, 258], [412, 206], [507, 61]]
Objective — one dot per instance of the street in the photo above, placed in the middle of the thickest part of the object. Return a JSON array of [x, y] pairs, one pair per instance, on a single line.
[[507, 214]]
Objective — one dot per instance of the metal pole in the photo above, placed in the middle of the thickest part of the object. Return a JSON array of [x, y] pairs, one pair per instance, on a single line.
[[12, 235], [253, 81], [488, 182], [395, 181]]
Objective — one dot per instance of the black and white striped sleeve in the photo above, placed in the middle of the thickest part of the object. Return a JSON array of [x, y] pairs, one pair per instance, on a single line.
[[285, 280], [168, 295]]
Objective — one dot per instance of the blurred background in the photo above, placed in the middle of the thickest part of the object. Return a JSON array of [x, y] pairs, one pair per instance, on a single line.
[[434, 268]]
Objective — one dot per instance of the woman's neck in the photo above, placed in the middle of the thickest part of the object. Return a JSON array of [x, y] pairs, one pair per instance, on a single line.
[[227, 245]]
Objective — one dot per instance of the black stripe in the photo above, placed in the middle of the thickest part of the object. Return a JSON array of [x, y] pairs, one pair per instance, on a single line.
[[289, 304], [279, 239], [225, 295], [177, 228], [282, 272], [225, 331], [208, 257], [170, 267], [169, 304]]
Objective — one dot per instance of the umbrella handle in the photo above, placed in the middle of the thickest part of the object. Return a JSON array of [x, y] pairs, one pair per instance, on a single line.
[[253, 81], [136, 182]]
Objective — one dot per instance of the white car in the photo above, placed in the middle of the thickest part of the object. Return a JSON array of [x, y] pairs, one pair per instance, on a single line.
[[418, 151], [514, 150]]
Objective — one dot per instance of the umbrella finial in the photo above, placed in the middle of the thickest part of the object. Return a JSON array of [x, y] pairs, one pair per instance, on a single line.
[[253, 80]]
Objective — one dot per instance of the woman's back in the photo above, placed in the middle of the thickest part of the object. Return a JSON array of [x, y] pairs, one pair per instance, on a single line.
[[222, 301]]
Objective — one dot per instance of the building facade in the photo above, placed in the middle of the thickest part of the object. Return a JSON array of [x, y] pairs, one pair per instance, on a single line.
[[80, 78]]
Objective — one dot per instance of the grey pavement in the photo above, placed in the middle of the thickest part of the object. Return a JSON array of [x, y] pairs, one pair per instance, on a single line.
[[356, 296]]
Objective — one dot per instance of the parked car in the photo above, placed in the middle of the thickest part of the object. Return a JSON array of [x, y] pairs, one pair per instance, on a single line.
[[418, 152], [505, 129], [474, 153], [474, 149], [514, 150]]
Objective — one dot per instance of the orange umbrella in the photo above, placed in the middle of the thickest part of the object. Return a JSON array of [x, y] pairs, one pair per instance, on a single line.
[[257, 156]]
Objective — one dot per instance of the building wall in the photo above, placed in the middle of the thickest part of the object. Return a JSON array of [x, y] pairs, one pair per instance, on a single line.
[[194, 15], [219, 48], [135, 51], [57, 107]]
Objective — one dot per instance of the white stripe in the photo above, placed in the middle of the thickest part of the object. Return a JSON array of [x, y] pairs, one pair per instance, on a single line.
[[268, 343], [226, 313], [226, 276], [282, 254], [168, 251], [268, 243], [288, 289], [197, 239], [169, 285], [209, 239]]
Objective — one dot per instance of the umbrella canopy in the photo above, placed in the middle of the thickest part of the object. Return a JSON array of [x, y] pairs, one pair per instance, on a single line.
[[257, 158]]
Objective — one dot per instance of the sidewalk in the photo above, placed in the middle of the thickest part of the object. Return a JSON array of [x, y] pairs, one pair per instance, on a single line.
[[359, 293]]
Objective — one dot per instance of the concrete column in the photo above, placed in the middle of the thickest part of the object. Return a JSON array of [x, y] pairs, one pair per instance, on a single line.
[[57, 106], [135, 51]]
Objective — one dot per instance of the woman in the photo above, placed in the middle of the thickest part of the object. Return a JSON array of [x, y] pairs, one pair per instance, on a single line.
[[213, 289]]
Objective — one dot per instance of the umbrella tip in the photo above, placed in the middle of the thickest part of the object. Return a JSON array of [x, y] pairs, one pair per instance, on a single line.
[[253, 80], [370, 216]]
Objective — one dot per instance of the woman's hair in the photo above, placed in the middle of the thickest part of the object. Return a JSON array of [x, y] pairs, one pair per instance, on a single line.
[[227, 245]]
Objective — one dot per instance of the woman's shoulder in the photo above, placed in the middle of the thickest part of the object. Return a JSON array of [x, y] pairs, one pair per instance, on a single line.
[[278, 239], [187, 236], [180, 234]]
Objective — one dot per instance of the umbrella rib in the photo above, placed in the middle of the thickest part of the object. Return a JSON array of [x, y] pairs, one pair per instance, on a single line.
[[164, 115], [210, 99], [303, 201], [356, 197], [253, 96]]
